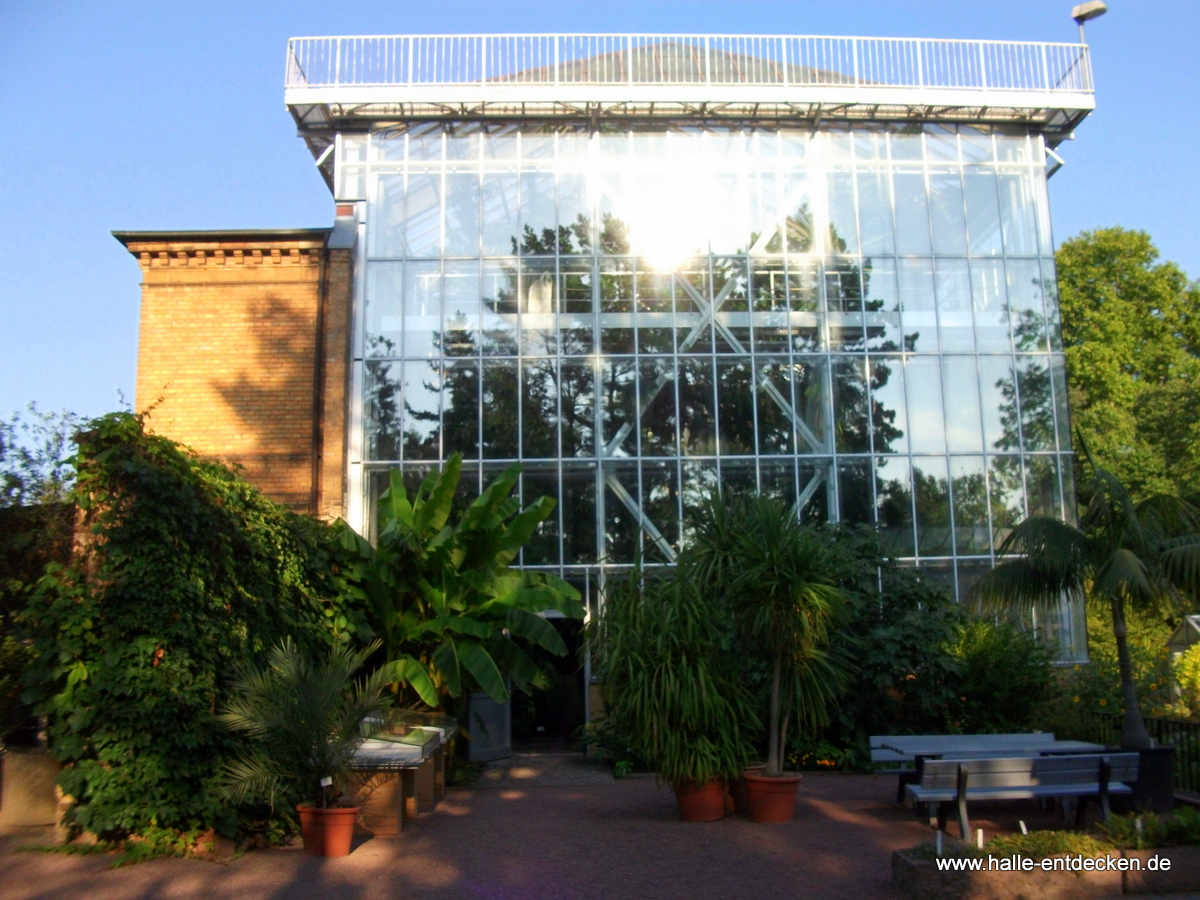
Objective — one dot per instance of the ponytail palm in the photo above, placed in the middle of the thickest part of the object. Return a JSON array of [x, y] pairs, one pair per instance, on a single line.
[[1123, 553]]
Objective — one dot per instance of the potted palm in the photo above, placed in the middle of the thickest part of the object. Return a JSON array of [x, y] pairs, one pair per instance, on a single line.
[[306, 718], [655, 646], [774, 576]]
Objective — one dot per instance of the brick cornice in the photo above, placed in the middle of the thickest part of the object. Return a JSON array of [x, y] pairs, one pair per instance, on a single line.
[[223, 250]]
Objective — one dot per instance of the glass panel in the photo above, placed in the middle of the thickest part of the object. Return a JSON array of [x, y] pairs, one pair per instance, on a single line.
[[501, 214], [462, 309], [893, 491], [777, 478], [658, 407], [953, 285], [423, 214], [968, 483], [931, 491], [500, 409], [697, 417], [983, 213], [1041, 486], [975, 144], [915, 282], [731, 319], [1037, 402], [843, 233], [1006, 488], [539, 409], [383, 311], [422, 410], [539, 326], [499, 310], [889, 416], [997, 384], [460, 409], [618, 393], [463, 142], [1025, 304], [574, 214], [1017, 213], [728, 214], [693, 333], [501, 144], [906, 142], [926, 423], [386, 224], [798, 226], [660, 504], [577, 321], [542, 546], [804, 301], [579, 514], [843, 285], [869, 144], [811, 396], [1050, 292], [991, 310], [699, 482], [1066, 467], [850, 404], [462, 214], [381, 409], [1058, 371], [960, 385], [621, 529], [537, 213], [422, 308], [882, 305], [776, 412], [578, 409], [912, 212], [735, 406], [855, 498], [946, 210], [815, 479], [875, 212], [1012, 148], [941, 143]]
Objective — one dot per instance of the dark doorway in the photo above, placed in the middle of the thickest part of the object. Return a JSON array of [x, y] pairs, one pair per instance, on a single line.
[[546, 720]]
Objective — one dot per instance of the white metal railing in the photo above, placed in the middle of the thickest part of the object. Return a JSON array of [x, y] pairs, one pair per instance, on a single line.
[[609, 59]]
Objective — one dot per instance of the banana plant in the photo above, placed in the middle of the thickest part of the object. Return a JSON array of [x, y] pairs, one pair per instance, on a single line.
[[442, 595]]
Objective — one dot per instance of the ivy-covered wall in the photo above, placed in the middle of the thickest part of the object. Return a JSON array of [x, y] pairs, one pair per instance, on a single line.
[[182, 571]]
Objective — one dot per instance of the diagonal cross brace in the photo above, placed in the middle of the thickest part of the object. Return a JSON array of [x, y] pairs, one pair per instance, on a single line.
[[643, 520]]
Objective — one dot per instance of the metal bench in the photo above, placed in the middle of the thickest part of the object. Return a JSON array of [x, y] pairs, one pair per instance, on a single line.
[[1079, 776]]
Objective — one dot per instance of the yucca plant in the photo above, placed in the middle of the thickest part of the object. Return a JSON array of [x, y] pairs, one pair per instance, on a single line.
[[306, 719], [774, 575], [655, 647]]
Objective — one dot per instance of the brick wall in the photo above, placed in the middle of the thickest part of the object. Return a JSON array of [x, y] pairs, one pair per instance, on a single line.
[[228, 354]]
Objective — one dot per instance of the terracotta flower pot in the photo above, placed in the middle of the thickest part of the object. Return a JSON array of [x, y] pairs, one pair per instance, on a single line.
[[327, 832], [741, 803], [771, 799], [702, 803]]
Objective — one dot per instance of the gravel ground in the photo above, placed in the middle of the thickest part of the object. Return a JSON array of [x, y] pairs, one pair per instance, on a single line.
[[521, 836]]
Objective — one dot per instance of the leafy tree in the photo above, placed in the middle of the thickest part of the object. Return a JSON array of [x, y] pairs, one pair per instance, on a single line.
[[1123, 553], [441, 595], [1131, 331], [35, 456]]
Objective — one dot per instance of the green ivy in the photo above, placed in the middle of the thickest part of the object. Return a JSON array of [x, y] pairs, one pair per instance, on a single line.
[[186, 573]]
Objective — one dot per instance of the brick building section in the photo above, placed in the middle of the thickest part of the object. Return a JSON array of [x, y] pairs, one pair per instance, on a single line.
[[228, 354]]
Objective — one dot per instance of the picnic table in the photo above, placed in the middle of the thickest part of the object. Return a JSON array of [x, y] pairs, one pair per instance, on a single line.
[[916, 748]]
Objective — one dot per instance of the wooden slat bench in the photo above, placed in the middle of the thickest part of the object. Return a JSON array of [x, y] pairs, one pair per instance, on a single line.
[[1081, 776]]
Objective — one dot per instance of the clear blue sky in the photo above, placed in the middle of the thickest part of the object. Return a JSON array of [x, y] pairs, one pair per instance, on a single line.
[[169, 115]]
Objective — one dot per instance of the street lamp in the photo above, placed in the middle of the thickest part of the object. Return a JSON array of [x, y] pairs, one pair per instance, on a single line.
[[1085, 11]]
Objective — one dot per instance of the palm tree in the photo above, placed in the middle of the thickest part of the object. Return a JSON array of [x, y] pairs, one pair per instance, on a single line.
[[1124, 553], [776, 575]]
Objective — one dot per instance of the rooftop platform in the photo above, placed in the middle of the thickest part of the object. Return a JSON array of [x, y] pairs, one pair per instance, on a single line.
[[348, 83]]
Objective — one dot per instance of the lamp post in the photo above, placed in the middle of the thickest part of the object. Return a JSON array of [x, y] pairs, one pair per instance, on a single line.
[[1085, 11]]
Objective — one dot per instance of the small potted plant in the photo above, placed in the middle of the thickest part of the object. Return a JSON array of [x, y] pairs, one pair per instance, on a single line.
[[773, 575], [655, 645], [307, 718]]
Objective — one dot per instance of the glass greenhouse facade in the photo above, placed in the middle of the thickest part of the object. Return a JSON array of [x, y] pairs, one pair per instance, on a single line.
[[857, 316]]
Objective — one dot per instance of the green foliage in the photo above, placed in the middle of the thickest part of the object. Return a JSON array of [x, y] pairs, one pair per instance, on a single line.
[[1041, 844], [667, 687], [1178, 829], [605, 741], [1186, 671], [188, 573], [774, 577], [152, 843], [1004, 677], [442, 596], [306, 718], [1128, 555], [15, 657], [1131, 331]]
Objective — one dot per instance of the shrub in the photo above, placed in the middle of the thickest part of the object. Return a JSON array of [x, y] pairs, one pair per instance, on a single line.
[[187, 573], [1004, 677]]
